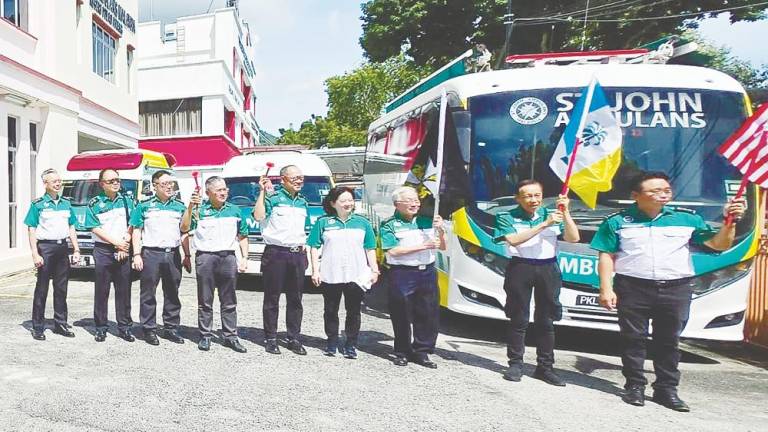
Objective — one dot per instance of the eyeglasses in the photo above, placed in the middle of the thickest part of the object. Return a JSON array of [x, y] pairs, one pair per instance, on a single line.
[[656, 192], [294, 179], [113, 181], [163, 184], [533, 196], [220, 190], [410, 201]]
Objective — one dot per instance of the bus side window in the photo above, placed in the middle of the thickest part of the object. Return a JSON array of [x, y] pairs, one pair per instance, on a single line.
[[463, 123]]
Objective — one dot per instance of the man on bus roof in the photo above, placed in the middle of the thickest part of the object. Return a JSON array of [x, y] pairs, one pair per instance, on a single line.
[[647, 246], [531, 232]]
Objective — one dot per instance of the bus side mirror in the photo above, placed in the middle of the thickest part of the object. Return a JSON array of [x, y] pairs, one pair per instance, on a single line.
[[463, 122]]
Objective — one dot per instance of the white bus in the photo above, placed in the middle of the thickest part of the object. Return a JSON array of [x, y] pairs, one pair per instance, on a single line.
[[503, 126]]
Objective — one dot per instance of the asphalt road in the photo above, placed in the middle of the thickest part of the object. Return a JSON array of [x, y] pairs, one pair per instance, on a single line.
[[80, 385]]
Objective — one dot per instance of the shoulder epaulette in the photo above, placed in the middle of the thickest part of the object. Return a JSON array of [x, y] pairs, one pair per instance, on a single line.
[[37, 200], [93, 201], [684, 210], [178, 201], [64, 198], [147, 199], [616, 213]]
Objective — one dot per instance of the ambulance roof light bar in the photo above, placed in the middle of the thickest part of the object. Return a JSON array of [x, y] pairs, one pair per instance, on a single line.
[[586, 57]]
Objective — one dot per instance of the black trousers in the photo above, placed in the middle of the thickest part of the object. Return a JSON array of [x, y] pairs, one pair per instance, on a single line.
[[667, 305], [543, 279], [216, 270], [414, 305], [283, 272], [56, 267], [108, 270], [353, 298], [166, 267]]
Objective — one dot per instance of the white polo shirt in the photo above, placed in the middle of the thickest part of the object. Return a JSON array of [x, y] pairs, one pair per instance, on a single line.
[[159, 221], [287, 219], [344, 245], [397, 231], [541, 246]]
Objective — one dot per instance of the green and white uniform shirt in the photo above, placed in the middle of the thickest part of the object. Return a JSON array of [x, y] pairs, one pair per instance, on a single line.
[[160, 222], [344, 245], [287, 219], [541, 246], [217, 230], [50, 218], [655, 249], [396, 231], [109, 215]]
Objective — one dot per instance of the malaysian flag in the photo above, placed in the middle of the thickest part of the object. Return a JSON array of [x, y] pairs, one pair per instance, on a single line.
[[747, 148]]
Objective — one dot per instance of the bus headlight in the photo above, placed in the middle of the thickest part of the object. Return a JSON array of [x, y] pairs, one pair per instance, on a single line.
[[712, 281], [497, 263]]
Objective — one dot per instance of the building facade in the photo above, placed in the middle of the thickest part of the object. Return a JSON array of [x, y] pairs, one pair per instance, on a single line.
[[195, 88], [67, 84]]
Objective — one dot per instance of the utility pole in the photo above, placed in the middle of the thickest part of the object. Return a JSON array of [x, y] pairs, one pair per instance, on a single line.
[[509, 21]]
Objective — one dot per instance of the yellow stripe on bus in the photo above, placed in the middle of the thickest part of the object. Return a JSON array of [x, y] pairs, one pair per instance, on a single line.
[[442, 286], [462, 228]]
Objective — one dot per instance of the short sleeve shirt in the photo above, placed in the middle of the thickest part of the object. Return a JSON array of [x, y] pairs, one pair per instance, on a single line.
[[541, 246], [218, 230], [50, 218], [344, 244], [109, 215], [287, 219], [397, 231], [160, 222], [656, 249]]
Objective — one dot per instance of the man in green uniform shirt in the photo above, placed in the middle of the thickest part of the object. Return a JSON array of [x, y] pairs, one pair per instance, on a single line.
[[647, 246], [51, 220]]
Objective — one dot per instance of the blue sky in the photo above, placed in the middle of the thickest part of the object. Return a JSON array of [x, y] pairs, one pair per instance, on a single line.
[[300, 43]]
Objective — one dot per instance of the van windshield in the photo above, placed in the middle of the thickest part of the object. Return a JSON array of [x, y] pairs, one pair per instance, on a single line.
[[79, 192], [244, 190]]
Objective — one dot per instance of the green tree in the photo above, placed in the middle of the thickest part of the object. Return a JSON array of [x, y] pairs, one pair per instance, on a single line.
[[720, 58], [433, 32], [356, 98]]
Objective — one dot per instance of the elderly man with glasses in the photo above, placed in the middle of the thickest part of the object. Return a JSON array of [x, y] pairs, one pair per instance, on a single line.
[[51, 221], [284, 218], [218, 229], [157, 236], [108, 219], [409, 241]]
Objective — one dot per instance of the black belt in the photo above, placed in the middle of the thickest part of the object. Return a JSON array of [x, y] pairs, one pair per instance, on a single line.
[[652, 282], [292, 249], [218, 253], [532, 261], [62, 241], [160, 249], [421, 267]]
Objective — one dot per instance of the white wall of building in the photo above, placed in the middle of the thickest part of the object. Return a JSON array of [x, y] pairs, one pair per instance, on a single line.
[[46, 78], [199, 63]]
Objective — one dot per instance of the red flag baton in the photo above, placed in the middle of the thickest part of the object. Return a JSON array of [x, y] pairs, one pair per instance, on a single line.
[[196, 177]]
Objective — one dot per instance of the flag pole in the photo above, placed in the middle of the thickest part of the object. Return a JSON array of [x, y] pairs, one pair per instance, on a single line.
[[579, 131], [440, 145], [748, 173]]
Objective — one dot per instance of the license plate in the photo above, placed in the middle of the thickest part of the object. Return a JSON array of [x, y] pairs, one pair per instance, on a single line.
[[84, 261], [587, 300]]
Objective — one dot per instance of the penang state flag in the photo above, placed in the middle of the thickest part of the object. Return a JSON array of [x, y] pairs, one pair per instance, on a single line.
[[593, 135]]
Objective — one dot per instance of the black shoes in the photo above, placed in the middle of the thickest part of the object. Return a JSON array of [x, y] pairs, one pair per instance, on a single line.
[[173, 336], [295, 346], [204, 344], [425, 361], [634, 394], [514, 373], [669, 399], [63, 330], [126, 335], [330, 348], [548, 376], [150, 336], [234, 343], [100, 336], [400, 361], [38, 334], [350, 352], [270, 346]]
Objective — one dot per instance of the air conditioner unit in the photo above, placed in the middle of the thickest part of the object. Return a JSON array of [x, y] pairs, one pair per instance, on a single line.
[[170, 33]]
